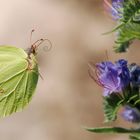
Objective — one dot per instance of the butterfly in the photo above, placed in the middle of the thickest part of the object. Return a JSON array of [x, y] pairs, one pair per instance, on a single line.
[[18, 77]]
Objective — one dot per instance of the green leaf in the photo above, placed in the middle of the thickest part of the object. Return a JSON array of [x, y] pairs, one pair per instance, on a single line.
[[111, 105], [112, 130], [129, 25], [121, 46], [113, 30], [18, 79], [131, 11], [134, 137]]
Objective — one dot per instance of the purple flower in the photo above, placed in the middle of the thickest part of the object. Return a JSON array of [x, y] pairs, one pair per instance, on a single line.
[[112, 77], [115, 8], [125, 74], [135, 74], [131, 114]]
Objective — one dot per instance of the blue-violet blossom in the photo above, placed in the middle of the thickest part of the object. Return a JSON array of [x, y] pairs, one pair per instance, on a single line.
[[112, 77], [116, 8], [131, 114], [135, 74]]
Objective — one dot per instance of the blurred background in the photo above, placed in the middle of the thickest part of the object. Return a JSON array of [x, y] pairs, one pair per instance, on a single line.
[[66, 99]]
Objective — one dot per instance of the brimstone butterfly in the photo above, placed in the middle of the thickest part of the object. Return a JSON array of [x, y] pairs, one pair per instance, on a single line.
[[18, 77]]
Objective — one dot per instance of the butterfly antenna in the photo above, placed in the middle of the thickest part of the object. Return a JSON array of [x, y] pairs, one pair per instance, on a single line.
[[31, 36], [39, 40], [37, 43], [34, 46]]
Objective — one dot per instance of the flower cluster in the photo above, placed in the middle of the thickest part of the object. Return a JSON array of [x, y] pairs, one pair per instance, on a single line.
[[116, 78], [120, 81]]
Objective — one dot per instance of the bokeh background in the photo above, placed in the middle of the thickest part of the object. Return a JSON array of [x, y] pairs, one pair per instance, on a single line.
[[66, 99]]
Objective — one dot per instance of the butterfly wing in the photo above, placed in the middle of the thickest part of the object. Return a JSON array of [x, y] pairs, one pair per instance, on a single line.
[[18, 79]]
